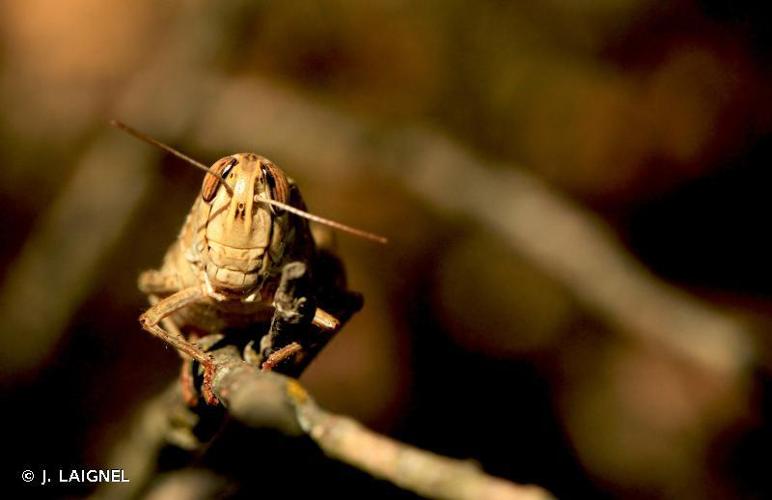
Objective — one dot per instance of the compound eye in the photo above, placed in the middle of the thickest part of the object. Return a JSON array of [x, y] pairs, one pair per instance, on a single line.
[[211, 183], [277, 183]]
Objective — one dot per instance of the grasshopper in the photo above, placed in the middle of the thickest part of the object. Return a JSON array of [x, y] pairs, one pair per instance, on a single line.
[[246, 259]]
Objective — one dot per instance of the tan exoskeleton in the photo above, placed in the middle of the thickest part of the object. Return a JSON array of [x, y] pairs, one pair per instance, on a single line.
[[246, 234]]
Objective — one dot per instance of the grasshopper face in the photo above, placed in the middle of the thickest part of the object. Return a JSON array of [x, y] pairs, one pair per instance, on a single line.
[[243, 236]]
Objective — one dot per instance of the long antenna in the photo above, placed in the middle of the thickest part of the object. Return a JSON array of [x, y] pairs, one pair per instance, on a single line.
[[143, 137], [301, 213], [327, 222]]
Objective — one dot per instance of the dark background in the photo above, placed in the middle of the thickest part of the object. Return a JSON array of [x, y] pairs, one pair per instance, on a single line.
[[653, 116]]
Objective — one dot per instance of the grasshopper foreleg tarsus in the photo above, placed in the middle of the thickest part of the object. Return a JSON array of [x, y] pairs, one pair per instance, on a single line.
[[279, 356]]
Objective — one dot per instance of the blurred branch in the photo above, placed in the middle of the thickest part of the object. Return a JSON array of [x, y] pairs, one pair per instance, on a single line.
[[269, 400], [567, 242], [60, 259], [136, 452]]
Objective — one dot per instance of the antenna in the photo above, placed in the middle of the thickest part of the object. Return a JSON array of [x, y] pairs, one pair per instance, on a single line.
[[327, 222], [301, 213], [146, 138]]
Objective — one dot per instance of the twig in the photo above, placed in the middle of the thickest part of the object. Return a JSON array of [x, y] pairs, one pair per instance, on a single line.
[[269, 400]]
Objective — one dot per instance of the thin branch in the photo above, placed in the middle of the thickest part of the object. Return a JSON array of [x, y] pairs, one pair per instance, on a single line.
[[269, 400]]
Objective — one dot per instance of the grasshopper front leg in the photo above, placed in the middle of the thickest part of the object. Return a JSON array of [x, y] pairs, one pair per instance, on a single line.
[[154, 283], [294, 310], [299, 328], [167, 306]]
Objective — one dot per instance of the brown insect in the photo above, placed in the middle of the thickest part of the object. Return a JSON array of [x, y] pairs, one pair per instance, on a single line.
[[244, 251]]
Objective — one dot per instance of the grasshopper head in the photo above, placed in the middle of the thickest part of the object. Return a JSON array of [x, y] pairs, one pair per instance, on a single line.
[[243, 235]]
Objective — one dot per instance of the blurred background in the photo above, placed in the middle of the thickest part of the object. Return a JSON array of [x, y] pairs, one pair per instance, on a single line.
[[577, 290]]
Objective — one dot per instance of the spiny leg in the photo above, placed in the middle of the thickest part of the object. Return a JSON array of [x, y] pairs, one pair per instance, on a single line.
[[155, 282], [150, 319], [189, 392], [280, 355], [187, 381]]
